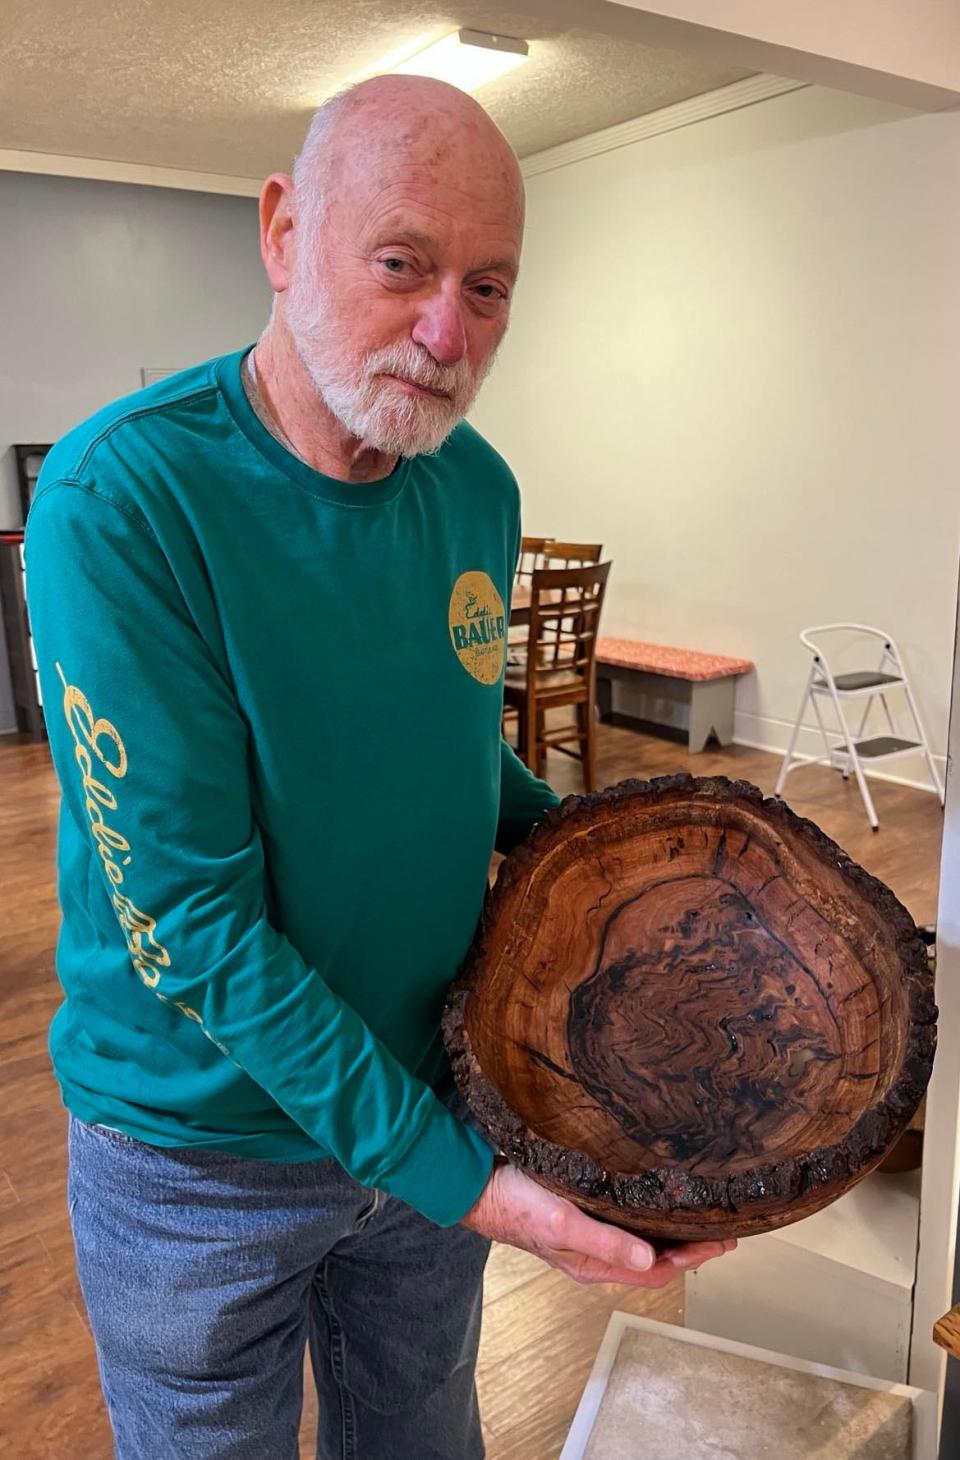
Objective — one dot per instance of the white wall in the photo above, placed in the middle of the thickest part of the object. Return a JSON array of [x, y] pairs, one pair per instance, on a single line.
[[98, 279], [734, 358]]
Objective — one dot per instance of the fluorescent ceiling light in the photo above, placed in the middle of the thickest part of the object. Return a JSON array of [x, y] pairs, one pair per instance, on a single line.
[[467, 58]]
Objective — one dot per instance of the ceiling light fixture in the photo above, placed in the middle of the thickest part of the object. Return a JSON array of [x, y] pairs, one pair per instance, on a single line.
[[467, 59]]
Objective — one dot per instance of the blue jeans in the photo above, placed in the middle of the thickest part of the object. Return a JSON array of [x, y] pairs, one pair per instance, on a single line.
[[205, 1275]]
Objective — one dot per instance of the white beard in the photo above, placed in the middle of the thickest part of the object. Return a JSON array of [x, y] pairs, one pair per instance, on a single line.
[[375, 410]]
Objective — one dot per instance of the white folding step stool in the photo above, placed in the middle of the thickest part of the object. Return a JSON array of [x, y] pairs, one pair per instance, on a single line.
[[849, 750]]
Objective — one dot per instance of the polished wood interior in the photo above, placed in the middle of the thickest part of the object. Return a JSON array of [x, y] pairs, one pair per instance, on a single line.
[[663, 994]]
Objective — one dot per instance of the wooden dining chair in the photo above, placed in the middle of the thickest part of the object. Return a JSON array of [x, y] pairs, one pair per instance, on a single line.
[[565, 607], [532, 550], [571, 554], [532, 557]]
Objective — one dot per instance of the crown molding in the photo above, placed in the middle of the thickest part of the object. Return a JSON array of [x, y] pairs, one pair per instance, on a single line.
[[102, 170], [666, 119]]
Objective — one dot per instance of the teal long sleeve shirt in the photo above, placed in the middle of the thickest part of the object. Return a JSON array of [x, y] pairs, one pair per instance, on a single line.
[[273, 701]]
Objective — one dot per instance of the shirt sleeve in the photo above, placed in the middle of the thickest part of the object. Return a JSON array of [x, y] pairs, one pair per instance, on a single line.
[[151, 750], [523, 799]]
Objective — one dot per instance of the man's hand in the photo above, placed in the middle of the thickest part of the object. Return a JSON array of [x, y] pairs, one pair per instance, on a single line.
[[514, 1209]]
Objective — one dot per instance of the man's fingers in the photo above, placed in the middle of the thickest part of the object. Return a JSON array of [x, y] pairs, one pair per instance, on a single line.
[[668, 1268], [609, 1245], [692, 1254], [515, 1209], [616, 1250], [591, 1270]]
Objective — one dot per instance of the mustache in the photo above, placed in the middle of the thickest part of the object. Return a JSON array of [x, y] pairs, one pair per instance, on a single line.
[[412, 364]]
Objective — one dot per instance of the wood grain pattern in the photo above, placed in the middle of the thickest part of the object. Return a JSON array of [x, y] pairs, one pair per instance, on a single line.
[[690, 1012], [48, 1380], [946, 1332]]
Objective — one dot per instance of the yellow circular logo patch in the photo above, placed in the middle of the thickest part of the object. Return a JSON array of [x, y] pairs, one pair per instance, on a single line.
[[478, 626]]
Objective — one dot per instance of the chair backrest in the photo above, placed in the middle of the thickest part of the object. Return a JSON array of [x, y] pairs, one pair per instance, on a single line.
[[572, 554], [565, 608], [820, 636], [532, 551]]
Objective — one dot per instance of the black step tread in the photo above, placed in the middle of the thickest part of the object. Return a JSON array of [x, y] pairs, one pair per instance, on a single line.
[[865, 679], [884, 745]]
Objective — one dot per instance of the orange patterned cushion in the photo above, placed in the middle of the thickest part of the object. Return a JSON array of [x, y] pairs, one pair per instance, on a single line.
[[677, 663]]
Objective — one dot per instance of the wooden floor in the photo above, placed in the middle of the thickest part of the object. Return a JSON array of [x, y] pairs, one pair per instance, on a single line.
[[541, 1331]]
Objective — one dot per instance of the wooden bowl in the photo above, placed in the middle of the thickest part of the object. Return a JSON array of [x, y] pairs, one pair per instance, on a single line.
[[689, 1012]]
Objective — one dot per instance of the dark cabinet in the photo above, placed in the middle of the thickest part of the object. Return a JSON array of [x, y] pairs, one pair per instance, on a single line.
[[13, 603], [29, 460], [20, 652]]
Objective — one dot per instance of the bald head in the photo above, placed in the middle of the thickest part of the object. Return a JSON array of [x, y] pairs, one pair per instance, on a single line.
[[415, 118]]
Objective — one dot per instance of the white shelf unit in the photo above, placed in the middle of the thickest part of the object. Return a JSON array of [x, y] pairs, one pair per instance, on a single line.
[[836, 1288]]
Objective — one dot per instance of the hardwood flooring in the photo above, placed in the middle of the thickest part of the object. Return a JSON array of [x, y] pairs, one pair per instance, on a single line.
[[541, 1332]]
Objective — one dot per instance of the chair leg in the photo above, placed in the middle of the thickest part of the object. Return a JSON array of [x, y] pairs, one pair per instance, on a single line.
[[521, 747], [587, 727], [538, 761]]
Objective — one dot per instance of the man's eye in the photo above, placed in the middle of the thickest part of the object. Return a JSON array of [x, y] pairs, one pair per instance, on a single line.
[[489, 291], [395, 265]]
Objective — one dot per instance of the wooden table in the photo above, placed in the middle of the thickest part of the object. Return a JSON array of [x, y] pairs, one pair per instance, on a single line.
[[520, 606]]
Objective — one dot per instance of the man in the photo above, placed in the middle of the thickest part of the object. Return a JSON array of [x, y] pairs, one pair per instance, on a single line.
[[282, 779]]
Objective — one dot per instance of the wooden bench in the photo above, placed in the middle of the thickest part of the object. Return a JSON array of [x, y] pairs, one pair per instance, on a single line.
[[678, 692]]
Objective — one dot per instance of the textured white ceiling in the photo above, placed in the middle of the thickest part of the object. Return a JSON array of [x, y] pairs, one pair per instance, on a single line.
[[222, 87]]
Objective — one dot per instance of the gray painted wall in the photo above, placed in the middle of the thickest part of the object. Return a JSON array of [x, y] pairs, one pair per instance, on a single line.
[[98, 279]]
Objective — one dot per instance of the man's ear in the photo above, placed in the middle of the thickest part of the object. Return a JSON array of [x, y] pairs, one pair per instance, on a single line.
[[277, 230]]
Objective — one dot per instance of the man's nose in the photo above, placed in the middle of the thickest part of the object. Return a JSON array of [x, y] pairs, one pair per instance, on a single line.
[[440, 328]]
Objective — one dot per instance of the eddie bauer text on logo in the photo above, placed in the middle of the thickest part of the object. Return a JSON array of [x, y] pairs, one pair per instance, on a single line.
[[478, 626]]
